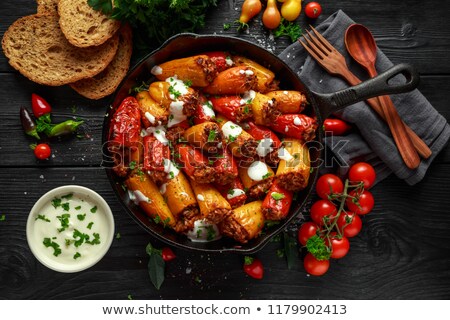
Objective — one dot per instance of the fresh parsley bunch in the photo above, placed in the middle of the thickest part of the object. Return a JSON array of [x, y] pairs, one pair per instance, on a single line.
[[156, 20]]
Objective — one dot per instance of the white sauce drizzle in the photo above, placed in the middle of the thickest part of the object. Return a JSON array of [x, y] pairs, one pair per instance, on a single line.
[[297, 121], [151, 118], [283, 154], [231, 129], [203, 231], [137, 196], [156, 70], [200, 197], [235, 193], [228, 61], [248, 97], [176, 113], [159, 133], [178, 86], [163, 188], [170, 168], [264, 147], [257, 171], [207, 110]]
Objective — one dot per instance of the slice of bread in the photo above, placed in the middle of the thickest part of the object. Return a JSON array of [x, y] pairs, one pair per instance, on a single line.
[[37, 48], [107, 81], [47, 6], [82, 25]]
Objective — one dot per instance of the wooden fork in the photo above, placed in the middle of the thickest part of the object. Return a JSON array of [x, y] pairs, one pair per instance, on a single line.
[[334, 63]]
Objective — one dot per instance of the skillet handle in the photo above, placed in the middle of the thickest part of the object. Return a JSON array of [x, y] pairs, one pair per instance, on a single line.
[[377, 86]]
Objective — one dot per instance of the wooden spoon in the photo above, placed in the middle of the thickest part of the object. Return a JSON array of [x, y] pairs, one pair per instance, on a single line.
[[362, 47]]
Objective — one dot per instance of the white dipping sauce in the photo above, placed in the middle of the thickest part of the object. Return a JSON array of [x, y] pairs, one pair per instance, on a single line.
[[203, 231], [69, 230], [208, 110], [257, 171], [178, 86]]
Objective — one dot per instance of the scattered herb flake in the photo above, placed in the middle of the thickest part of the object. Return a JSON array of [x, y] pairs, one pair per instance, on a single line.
[[77, 255], [277, 196], [89, 226], [226, 26], [81, 217], [78, 208], [118, 235], [65, 206], [94, 209], [56, 202], [64, 219], [3, 217], [212, 135], [67, 196]]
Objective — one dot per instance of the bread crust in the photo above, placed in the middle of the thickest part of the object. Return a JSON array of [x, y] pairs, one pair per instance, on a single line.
[[37, 48], [83, 26], [47, 6], [107, 81]]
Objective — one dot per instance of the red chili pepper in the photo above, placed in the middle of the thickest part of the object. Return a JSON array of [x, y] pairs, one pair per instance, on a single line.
[[39, 105], [296, 126], [189, 158], [219, 58], [228, 192], [260, 132], [277, 202], [126, 123], [232, 107], [253, 267], [154, 154], [167, 254]]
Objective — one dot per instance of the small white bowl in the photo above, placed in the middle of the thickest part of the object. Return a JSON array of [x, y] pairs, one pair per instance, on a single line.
[[51, 218]]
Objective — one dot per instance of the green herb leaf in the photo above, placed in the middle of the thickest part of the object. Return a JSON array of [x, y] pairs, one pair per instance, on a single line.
[[65, 206], [67, 196], [76, 255], [156, 266], [3, 217], [212, 135], [290, 250], [118, 235], [94, 209], [289, 29], [78, 208], [277, 196], [248, 260], [132, 165], [89, 226], [42, 217], [56, 203], [226, 26], [49, 243], [81, 217]]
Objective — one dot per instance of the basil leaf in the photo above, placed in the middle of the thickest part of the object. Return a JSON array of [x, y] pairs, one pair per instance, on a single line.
[[290, 250], [156, 267]]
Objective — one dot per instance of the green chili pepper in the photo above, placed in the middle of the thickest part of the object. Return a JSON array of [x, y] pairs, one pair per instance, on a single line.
[[63, 128], [28, 124]]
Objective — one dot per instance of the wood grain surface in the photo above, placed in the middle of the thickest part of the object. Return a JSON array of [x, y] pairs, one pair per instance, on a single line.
[[403, 251]]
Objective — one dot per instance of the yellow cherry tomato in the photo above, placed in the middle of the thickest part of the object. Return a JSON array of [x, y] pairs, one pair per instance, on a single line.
[[250, 8], [290, 10], [271, 17]]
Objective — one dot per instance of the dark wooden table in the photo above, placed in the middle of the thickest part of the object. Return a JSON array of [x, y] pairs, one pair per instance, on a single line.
[[402, 252]]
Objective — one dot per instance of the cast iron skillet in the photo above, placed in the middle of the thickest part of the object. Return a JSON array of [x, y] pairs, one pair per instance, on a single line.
[[321, 106]]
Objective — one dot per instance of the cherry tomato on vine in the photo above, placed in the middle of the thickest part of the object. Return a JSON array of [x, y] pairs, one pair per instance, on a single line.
[[364, 172], [39, 105], [168, 254], [339, 246], [315, 267], [42, 151], [313, 10], [329, 183], [336, 127], [323, 210], [366, 202], [253, 267], [306, 231], [350, 224]]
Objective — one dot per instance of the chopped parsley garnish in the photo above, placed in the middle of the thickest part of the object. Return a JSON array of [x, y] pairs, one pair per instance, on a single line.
[[231, 138], [166, 221], [79, 237], [209, 104], [78, 208], [64, 219], [277, 196], [157, 219], [210, 233], [96, 239], [81, 217], [271, 223], [140, 173], [158, 131], [226, 26], [77, 255], [132, 165], [212, 135], [2, 217], [210, 162], [89, 226], [171, 175], [174, 92], [67, 196], [188, 83], [49, 243], [246, 109], [118, 235], [68, 242], [268, 174], [231, 192], [94, 209], [199, 233], [65, 206], [42, 217], [56, 202]]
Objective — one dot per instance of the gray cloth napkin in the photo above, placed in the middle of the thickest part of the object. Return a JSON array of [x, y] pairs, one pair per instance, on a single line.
[[372, 142]]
